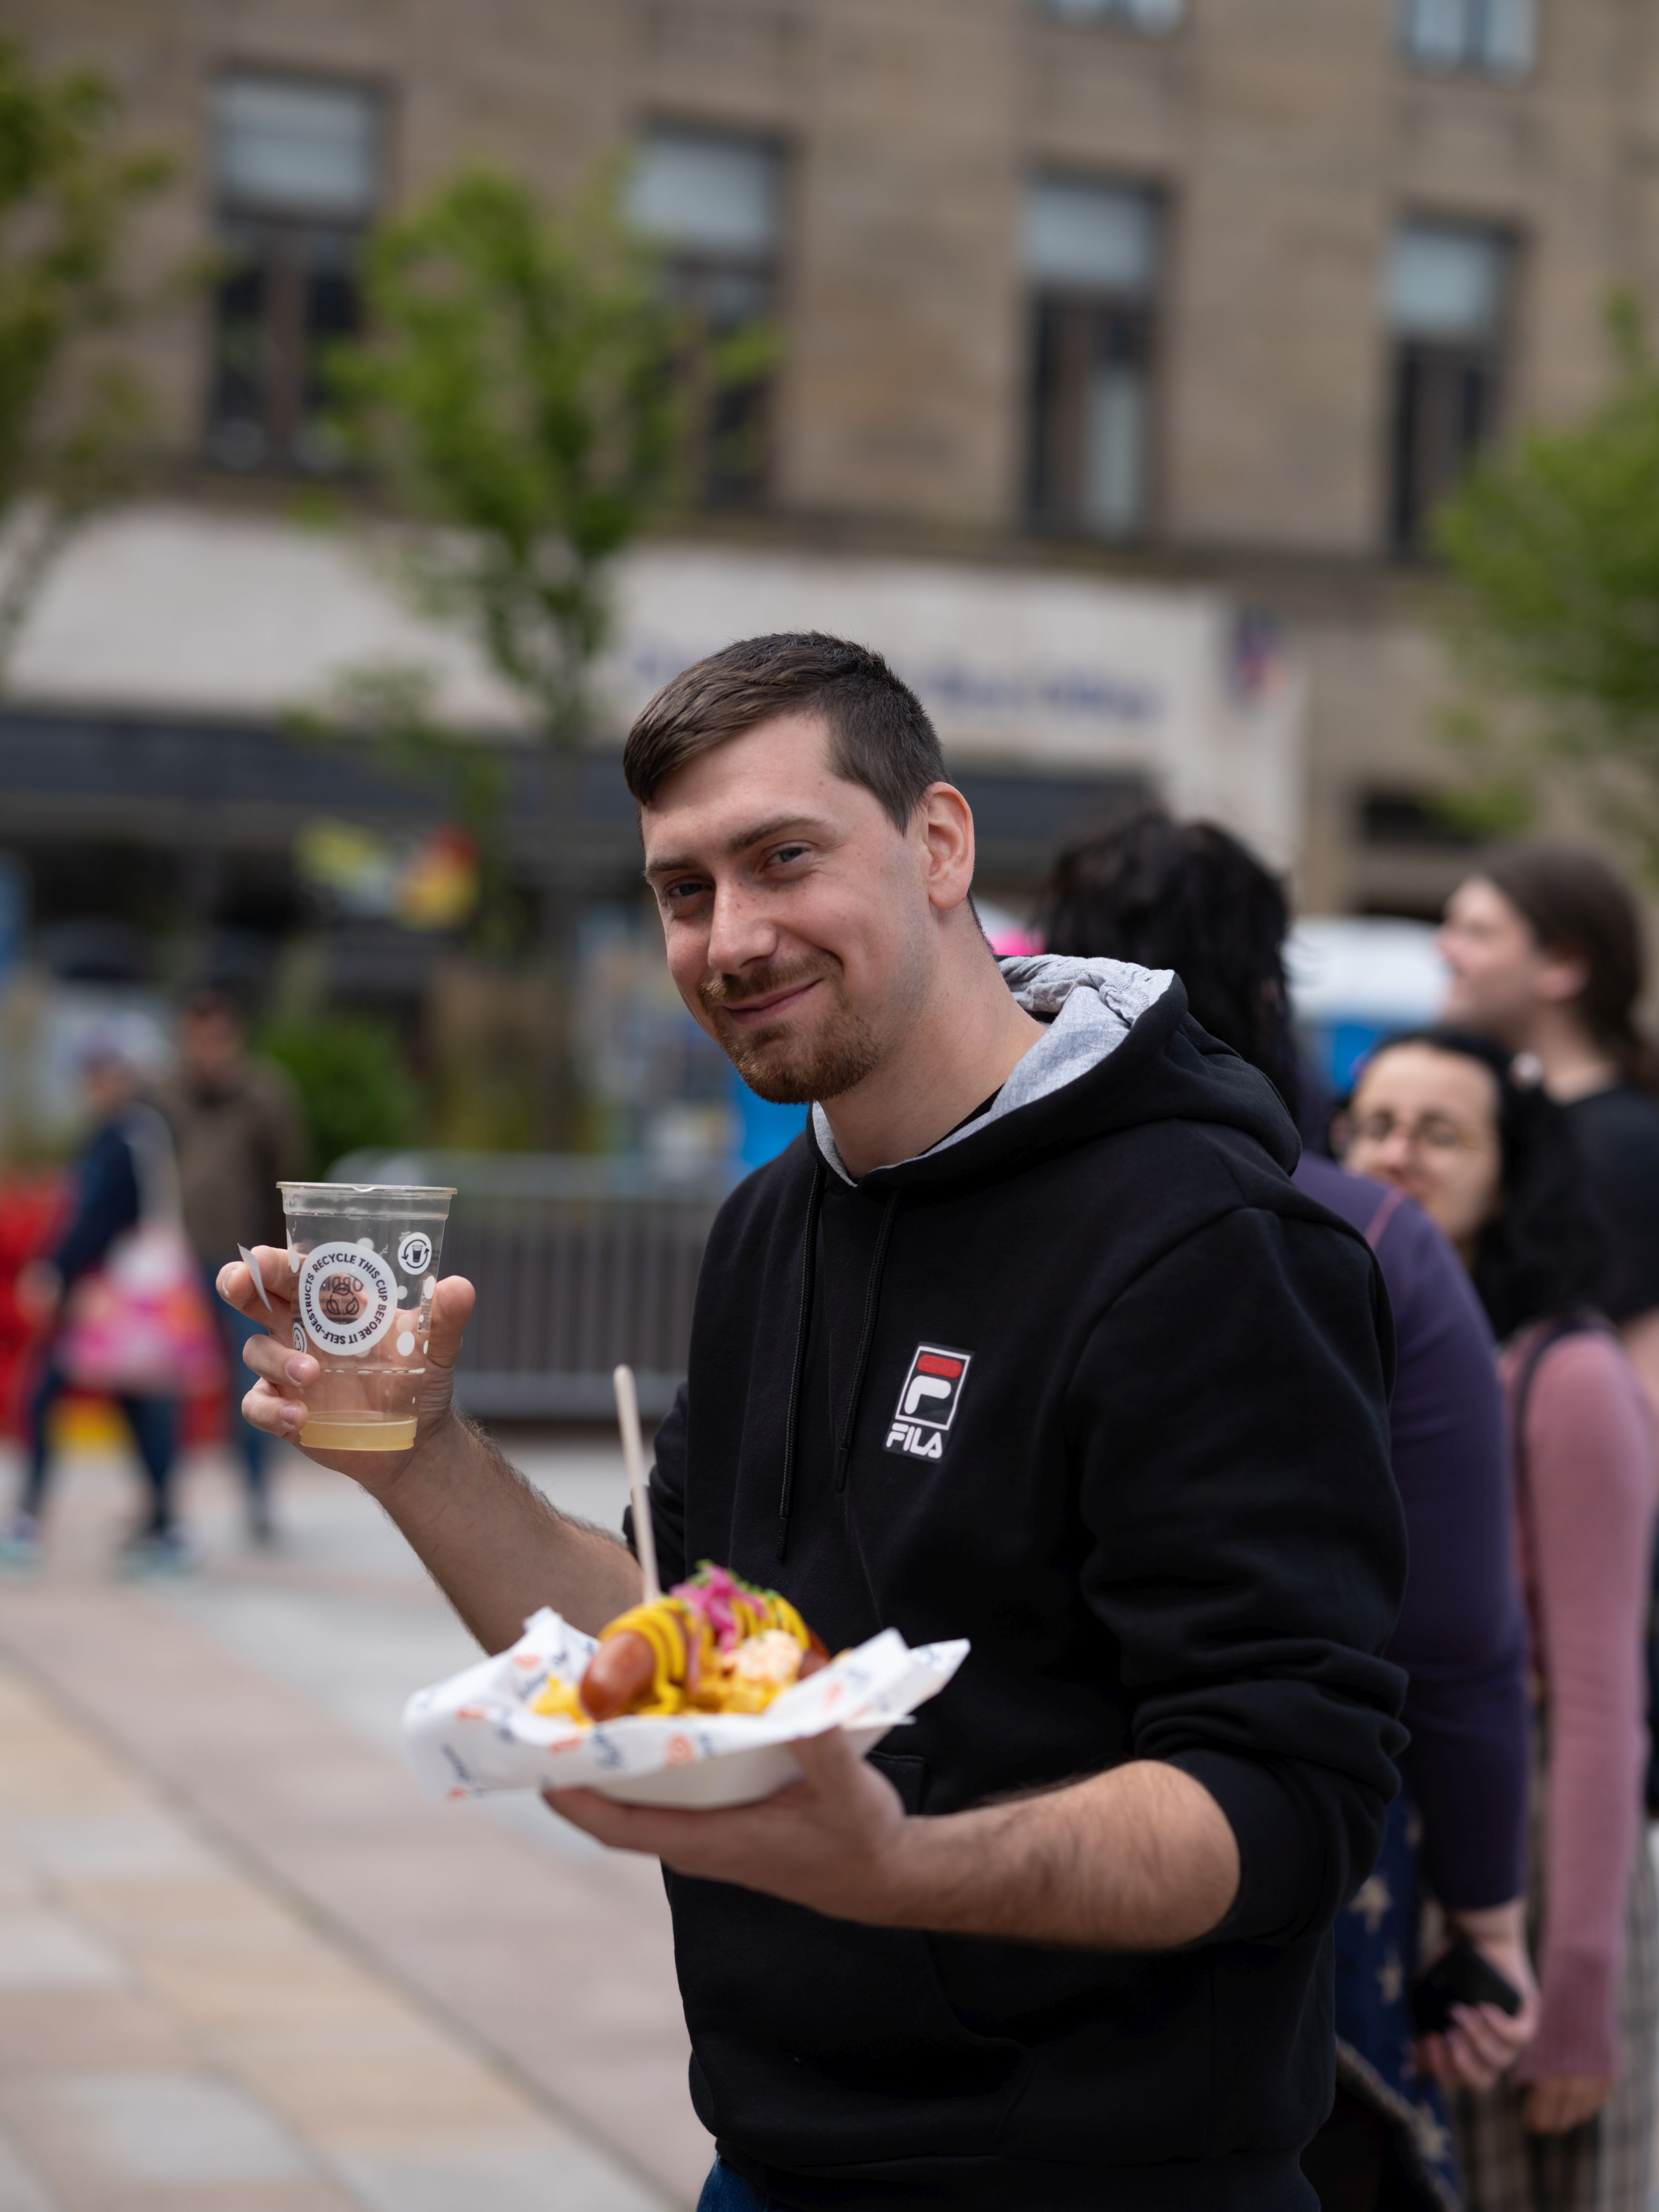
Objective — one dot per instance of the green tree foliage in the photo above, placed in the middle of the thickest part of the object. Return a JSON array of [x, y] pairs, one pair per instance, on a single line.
[[351, 1073], [1555, 539], [518, 387], [72, 414]]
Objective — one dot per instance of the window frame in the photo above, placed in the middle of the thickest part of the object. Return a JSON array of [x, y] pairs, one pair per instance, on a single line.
[[1491, 356], [1146, 312], [691, 267], [1114, 19], [283, 323], [1469, 66]]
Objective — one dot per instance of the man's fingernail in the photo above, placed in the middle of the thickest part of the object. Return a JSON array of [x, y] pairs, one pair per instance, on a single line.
[[299, 1370], [291, 1416]]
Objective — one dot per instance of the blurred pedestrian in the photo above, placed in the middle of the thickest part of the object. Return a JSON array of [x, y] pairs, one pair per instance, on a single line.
[[1544, 943], [1188, 896], [1449, 1117], [240, 1129], [122, 1175]]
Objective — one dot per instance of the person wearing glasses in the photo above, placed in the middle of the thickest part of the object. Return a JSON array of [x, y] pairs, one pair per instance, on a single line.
[[1471, 1133]]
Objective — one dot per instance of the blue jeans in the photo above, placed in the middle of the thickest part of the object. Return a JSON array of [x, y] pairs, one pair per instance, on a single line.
[[153, 1424], [725, 2190]]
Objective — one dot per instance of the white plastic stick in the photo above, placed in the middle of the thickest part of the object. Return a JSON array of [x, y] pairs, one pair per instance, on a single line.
[[252, 1267], [632, 1444]]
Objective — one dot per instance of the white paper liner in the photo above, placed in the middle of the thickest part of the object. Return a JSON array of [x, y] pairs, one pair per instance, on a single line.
[[475, 1732]]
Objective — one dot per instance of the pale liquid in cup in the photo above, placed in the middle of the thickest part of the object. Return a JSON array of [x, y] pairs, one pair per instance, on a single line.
[[362, 1262], [358, 1432]]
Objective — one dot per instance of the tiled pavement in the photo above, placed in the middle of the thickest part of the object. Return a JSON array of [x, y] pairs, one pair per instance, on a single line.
[[243, 1968]]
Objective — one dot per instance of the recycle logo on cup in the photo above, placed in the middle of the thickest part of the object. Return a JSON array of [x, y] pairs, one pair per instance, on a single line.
[[414, 1253], [348, 1299]]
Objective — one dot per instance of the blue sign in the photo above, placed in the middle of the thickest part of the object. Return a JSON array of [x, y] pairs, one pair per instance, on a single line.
[[766, 1129]]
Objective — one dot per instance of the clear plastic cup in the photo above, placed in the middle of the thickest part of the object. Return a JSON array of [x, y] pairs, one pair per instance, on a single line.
[[364, 1260]]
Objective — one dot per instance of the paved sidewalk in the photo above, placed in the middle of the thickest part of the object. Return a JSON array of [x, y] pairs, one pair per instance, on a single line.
[[173, 2035], [242, 1728]]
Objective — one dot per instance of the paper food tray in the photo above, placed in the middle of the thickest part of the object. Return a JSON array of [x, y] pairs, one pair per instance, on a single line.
[[475, 1732]]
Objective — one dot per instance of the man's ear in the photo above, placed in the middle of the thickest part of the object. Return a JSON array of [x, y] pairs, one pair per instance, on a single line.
[[944, 824]]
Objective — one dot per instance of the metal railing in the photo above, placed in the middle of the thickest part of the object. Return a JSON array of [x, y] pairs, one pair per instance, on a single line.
[[578, 1263]]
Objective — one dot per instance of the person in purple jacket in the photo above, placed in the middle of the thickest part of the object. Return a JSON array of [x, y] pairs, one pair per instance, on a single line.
[[1188, 896]]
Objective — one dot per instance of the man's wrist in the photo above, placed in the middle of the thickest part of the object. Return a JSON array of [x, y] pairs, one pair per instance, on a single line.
[[435, 1440]]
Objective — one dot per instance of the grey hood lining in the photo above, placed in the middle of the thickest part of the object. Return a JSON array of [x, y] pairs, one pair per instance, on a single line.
[[1090, 1006]]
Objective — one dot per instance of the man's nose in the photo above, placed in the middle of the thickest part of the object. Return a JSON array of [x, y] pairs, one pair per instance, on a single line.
[[739, 930]]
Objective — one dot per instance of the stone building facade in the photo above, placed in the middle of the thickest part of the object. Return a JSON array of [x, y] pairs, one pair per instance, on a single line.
[[1193, 291]]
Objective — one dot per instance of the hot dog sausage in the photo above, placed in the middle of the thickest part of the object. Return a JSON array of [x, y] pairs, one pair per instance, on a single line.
[[620, 1672]]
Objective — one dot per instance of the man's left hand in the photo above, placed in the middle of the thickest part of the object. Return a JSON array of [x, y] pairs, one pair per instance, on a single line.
[[836, 1841]]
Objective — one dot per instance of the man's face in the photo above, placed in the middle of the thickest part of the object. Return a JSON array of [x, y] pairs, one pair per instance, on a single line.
[[1501, 976], [796, 916], [210, 1042]]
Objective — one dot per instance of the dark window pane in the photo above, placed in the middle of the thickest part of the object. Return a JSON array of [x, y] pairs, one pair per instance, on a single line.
[[237, 434], [1445, 406], [726, 303], [1089, 429], [1409, 818], [333, 312], [290, 291]]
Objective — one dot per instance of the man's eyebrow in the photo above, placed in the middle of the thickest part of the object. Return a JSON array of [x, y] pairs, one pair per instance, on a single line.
[[738, 841]]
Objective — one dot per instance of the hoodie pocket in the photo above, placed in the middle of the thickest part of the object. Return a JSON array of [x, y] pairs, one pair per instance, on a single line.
[[820, 2042]]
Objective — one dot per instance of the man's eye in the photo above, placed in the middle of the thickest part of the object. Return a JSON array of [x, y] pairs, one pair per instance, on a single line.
[[681, 894], [788, 853]]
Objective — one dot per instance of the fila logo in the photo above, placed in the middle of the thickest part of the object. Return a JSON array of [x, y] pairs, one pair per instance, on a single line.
[[927, 1403]]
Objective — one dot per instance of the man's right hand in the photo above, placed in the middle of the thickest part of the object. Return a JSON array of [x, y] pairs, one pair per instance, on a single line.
[[276, 1402]]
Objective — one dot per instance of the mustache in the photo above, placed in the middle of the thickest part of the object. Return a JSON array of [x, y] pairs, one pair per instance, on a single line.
[[715, 992]]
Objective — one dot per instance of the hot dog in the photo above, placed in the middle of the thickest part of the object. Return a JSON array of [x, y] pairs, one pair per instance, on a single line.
[[711, 1644], [619, 1675]]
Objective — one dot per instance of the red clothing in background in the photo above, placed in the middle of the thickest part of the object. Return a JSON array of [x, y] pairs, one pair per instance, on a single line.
[[32, 1208], [1585, 1497]]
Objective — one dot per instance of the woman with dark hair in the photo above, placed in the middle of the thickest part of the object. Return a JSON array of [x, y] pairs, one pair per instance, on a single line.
[[1451, 1118], [1544, 943], [1188, 896]]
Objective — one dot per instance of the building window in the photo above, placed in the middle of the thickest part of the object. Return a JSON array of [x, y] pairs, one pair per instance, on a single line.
[[1091, 257], [1156, 17], [1496, 37], [713, 202], [296, 171], [1447, 296], [1404, 820]]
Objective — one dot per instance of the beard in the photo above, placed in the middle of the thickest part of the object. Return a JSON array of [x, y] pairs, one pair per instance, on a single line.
[[789, 1070]]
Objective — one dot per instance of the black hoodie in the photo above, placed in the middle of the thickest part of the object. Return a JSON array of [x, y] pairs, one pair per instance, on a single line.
[[1095, 1385]]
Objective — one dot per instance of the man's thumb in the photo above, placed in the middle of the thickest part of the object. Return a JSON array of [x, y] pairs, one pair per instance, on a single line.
[[451, 1309]]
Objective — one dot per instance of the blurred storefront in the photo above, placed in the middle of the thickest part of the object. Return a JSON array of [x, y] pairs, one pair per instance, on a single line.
[[162, 786]]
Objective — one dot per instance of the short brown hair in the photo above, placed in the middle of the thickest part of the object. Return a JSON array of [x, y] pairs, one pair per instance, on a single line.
[[880, 732]]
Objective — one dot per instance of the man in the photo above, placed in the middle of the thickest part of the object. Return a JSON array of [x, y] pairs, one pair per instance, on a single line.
[[1064, 1941], [239, 1128], [1544, 943]]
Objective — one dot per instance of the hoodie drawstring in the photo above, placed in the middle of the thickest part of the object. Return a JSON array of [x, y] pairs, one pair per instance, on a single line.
[[803, 1331], [872, 1300], [809, 1255]]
